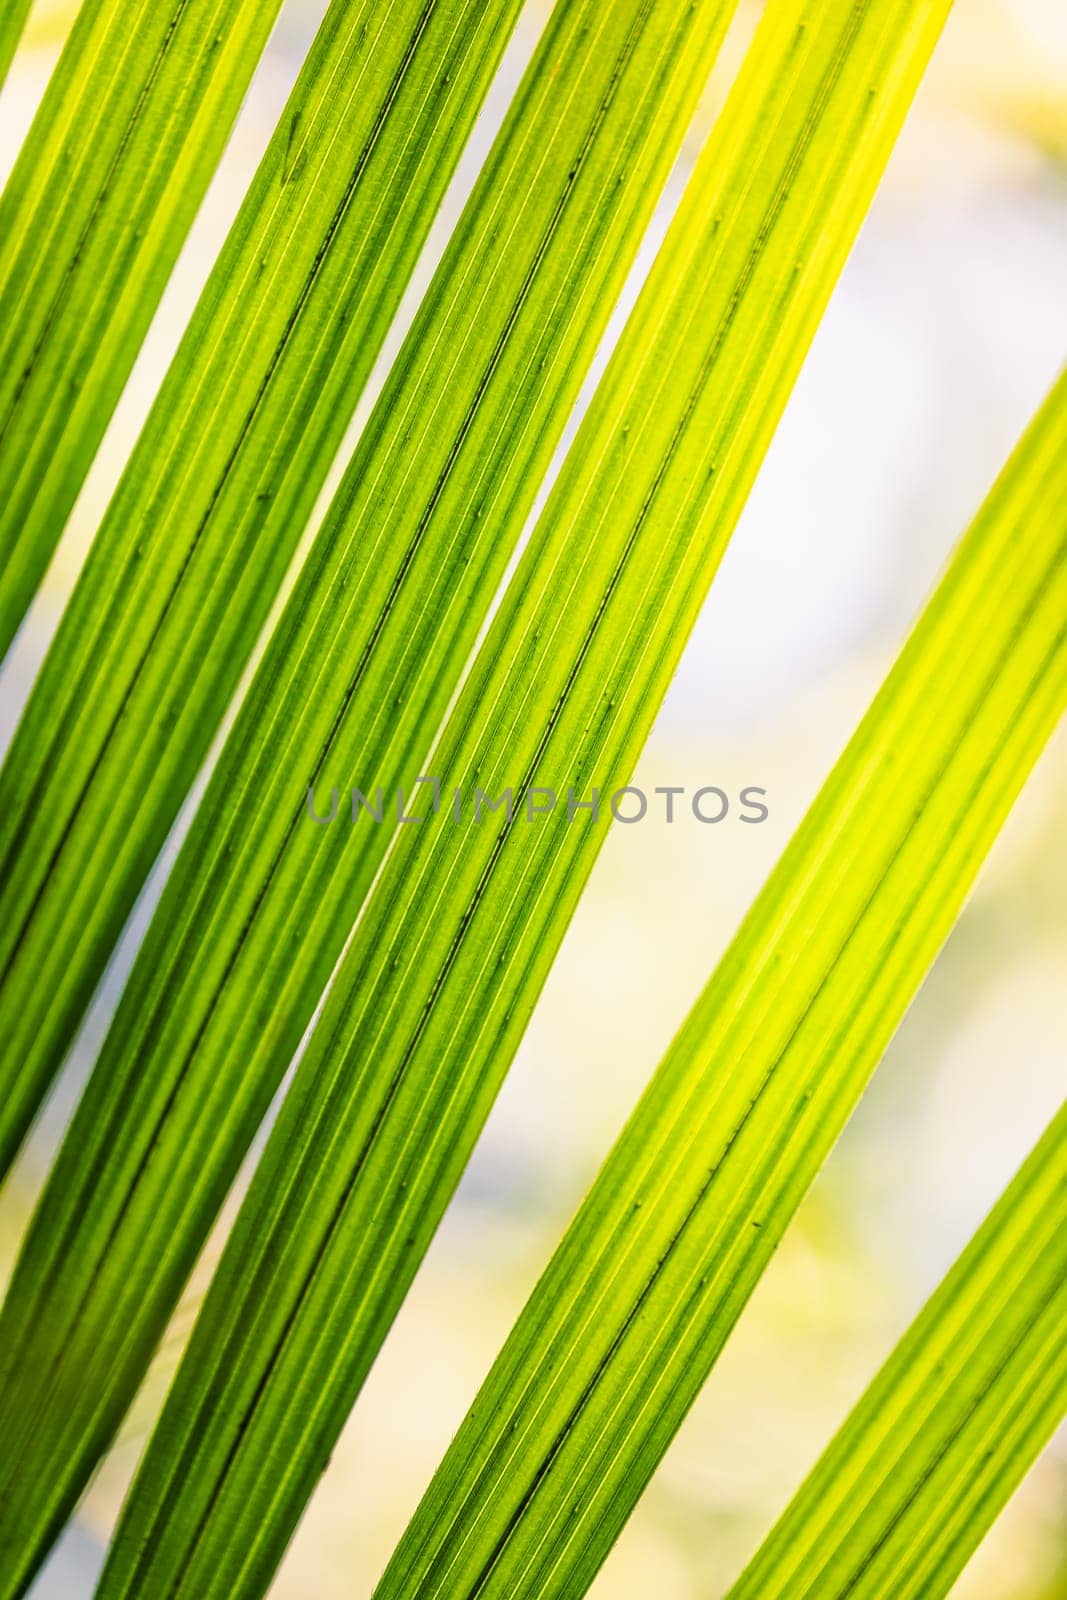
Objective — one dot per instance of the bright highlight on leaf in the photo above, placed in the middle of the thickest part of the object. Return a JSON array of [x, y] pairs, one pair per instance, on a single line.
[[903, 1495], [132, 124], [358, 673], [217, 492], [651, 1276], [430, 1002]]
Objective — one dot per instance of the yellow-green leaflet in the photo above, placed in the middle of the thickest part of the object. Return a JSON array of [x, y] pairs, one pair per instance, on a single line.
[[215, 496], [640, 1296], [13, 14], [422, 1020], [359, 672], [903, 1494], [126, 139]]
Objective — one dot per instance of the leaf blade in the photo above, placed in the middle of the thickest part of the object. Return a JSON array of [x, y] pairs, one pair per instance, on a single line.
[[902, 1495], [12, 22], [105, 188], [199, 534], [384, 611], [421, 1020], [641, 1294]]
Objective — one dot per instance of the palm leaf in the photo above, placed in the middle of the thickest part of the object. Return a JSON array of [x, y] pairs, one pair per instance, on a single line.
[[132, 124], [13, 14], [359, 672], [429, 1003], [904, 1493], [639, 1298], [220, 485]]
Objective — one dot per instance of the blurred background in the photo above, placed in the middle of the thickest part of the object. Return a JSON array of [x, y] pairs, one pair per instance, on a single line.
[[949, 323]]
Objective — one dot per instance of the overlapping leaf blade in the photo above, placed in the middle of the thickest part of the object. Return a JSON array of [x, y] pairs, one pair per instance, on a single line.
[[432, 997], [904, 1493], [129, 132], [641, 1294], [358, 674], [211, 506]]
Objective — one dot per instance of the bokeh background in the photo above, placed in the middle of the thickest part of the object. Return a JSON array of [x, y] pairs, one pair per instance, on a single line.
[[949, 323]]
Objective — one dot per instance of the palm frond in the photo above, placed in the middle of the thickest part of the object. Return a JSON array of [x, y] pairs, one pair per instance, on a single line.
[[358, 675], [427, 1008], [131, 127], [930, 1454], [13, 16], [200, 532], [642, 1293]]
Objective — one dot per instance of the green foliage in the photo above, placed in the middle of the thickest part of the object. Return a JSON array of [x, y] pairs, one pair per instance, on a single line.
[[434, 993], [121, 151], [13, 16], [640, 1297], [378, 672], [216, 494], [943, 1435], [357, 674]]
